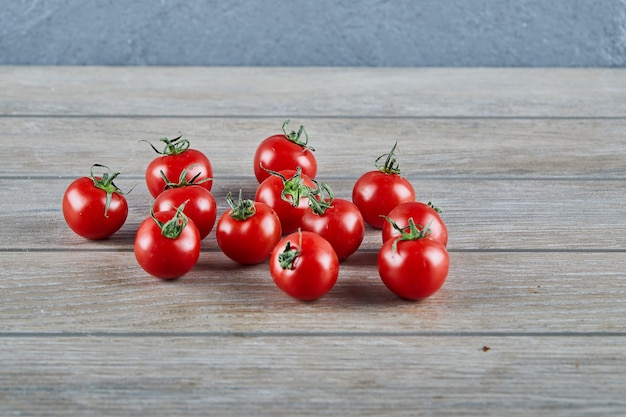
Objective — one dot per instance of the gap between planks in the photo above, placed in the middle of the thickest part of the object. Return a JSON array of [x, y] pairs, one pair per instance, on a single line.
[[297, 116], [316, 334]]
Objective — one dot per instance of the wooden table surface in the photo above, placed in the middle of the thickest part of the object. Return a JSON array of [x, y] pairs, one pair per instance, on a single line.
[[529, 166]]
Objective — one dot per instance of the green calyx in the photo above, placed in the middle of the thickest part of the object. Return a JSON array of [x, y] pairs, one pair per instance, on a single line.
[[437, 209], [295, 136], [174, 146], [317, 202], [411, 232], [293, 187], [105, 183], [288, 257], [174, 227], [391, 165], [242, 209], [182, 179]]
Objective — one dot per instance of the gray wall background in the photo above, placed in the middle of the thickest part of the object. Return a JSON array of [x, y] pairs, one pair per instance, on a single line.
[[562, 33]]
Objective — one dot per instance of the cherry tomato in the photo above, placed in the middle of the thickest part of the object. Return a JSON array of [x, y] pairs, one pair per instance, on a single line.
[[201, 206], [167, 244], [93, 207], [304, 265], [286, 151], [378, 192], [414, 266], [424, 215], [248, 232], [337, 220], [176, 158], [286, 192]]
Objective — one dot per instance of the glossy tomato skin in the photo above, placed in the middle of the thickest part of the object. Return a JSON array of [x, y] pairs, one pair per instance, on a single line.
[[416, 269], [163, 257], [376, 193], [269, 192], [84, 206], [277, 153], [314, 271], [201, 207], [252, 240], [341, 225], [173, 165], [422, 214]]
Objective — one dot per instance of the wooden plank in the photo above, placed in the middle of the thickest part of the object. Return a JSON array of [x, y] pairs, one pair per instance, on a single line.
[[278, 376], [372, 92], [485, 292], [480, 215], [344, 147], [527, 163]]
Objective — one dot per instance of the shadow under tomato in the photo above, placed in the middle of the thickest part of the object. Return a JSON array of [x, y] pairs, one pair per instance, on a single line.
[[359, 283]]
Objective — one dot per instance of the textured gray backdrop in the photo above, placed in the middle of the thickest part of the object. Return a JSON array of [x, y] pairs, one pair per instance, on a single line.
[[314, 32]]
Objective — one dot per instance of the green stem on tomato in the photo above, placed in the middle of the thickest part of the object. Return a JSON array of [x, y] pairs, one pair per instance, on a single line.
[[293, 187], [437, 209], [182, 179], [287, 257], [413, 232], [174, 146], [105, 183], [317, 202], [242, 209], [174, 227], [391, 165], [295, 136]]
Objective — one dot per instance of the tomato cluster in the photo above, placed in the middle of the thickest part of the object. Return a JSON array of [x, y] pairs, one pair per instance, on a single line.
[[413, 261], [294, 222]]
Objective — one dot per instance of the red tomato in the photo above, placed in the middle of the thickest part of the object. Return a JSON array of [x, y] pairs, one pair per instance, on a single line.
[[338, 221], [167, 245], [286, 151], [286, 193], [248, 232], [93, 207], [378, 192], [201, 206], [304, 265], [424, 215], [415, 266], [176, 158]]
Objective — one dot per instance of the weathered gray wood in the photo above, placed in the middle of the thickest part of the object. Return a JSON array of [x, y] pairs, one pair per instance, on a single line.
[[344, 147], [528, 164], [480, 215], [283, 92], [319, 375], [78, 291]]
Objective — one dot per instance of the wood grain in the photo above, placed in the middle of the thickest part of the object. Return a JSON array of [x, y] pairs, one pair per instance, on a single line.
[[312, 375], [528, 165], [330, 92], [485, 292], [511, 214], [528, 148]]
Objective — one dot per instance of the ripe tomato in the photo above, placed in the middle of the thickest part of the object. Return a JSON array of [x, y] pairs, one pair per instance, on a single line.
[[378, 192], [337, 220], [304, 265], [93, 207], [248, 232], [424, 215], [167, 244], [287, 193], [201, 206], [177, 157], [286, 151], [413, 266]]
